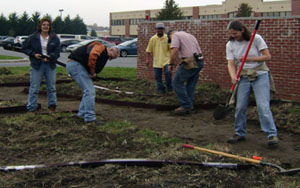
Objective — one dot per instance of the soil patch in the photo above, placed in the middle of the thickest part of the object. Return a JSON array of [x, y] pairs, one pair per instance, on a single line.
[[130, 132]]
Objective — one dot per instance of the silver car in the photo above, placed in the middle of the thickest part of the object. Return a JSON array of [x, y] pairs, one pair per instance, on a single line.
[[19, 40], [75, 46]]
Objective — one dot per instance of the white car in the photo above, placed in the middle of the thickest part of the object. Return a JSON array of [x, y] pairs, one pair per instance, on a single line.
[[19, 40], [75, 46]]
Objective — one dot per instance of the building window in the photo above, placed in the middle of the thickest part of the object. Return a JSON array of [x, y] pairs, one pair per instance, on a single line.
[[118, 22], [232, 14], [132, 21], [188, 17], [276, 14], [212, 16], [138, 20]]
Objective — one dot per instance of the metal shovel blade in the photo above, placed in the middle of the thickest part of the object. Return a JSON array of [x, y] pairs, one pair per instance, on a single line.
[[221, 111]]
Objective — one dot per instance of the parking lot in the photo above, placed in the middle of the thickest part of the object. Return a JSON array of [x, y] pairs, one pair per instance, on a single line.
[[130, 61]]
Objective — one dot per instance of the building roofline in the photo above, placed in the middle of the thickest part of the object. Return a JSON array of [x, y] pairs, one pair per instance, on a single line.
[[235, 18]]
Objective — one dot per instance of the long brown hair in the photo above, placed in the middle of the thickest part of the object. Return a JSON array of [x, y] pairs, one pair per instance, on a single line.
[[46, 19], [238, 26]]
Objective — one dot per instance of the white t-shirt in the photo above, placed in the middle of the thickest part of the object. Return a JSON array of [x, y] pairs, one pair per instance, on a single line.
[[236, 49], [44, 43]]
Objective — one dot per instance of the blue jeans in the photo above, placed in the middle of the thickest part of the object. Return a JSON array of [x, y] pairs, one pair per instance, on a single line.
[[87, 104], [184, 84], [261, 89], [158, 78], [36, 77]]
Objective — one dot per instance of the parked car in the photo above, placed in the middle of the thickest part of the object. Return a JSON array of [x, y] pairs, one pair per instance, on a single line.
[[113, 39], [19, 40], [71, 36], [8, 42], [127, 38], [67, 42], [128, 48], [74, 46], [3, 37]]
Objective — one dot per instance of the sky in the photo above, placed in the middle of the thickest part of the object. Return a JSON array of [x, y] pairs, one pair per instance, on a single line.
[[91, 11]]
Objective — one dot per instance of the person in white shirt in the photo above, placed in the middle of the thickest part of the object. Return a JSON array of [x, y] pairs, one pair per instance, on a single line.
[[43, 49], [255, 76]]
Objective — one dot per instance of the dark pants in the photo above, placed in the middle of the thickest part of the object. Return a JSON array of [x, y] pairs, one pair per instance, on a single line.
[[184, 84], [158, 78]]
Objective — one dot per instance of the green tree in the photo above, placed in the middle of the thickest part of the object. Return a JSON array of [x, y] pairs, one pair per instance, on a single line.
[[170, 12], [57, 25], [4, 25], [23, 25], [13, 24], [244, 10], [93, 33], [78, 23], [67, 26], [48, 16], [35, 19]]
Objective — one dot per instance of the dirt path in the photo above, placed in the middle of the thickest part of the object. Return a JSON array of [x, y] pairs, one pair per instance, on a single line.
[[198, 129]]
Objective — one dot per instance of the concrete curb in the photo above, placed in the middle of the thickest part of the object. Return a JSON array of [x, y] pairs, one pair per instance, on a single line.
[[14, 60]]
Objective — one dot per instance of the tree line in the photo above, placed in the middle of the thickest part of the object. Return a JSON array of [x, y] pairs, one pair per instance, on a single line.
[[24, 24]]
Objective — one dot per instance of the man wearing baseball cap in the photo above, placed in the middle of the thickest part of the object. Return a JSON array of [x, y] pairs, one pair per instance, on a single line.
[[159, 48]]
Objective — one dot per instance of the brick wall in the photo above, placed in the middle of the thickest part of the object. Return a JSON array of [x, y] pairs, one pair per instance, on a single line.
[[295, 7], [282, 36], [195, 12]]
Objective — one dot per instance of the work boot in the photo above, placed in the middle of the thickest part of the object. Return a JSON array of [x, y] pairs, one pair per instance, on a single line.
[[31, 112], [236, 138], [95, 122], [273, 140], [181, 111], [52, 108]]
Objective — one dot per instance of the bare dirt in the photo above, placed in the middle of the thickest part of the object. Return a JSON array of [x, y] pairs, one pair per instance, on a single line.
[[199, 129]]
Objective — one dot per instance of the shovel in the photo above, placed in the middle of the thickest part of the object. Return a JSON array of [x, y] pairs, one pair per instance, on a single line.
[[221, 111], [280, 170]]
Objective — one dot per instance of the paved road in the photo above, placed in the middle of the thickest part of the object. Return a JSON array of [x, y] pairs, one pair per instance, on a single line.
[[130, 61]]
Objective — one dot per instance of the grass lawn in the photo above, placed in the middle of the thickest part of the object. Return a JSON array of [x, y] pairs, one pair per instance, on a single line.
[[128, 73], [4, 57]]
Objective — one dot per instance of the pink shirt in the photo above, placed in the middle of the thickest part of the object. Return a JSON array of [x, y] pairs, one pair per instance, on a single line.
[[186, 43]]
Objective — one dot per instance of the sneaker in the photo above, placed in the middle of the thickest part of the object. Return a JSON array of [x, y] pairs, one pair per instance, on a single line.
[[31, 112], [236, 138], [52, 108], [77, 118], [273, 140], [181, 111], [95, 122], [35, 110]]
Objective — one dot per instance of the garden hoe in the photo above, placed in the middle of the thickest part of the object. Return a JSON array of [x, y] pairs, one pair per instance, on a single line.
[[253, 161], [221, 111]]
